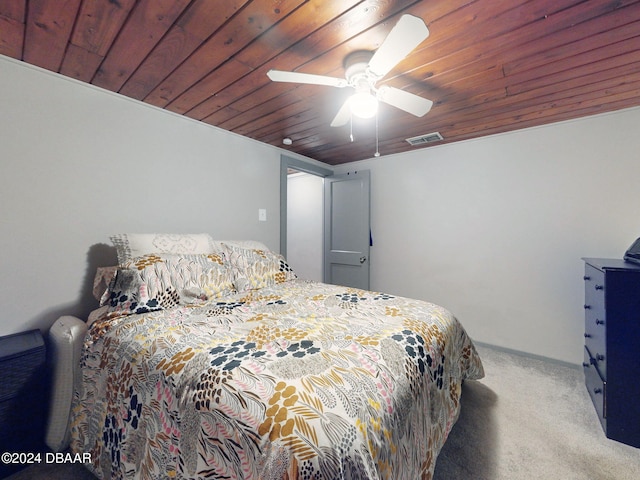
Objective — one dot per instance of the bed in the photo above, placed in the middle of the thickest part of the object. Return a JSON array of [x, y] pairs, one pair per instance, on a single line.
[[213, 360]]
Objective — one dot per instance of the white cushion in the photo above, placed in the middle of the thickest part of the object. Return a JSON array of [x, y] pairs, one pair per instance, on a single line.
[[248, 244], [130, 245], [66, 337]]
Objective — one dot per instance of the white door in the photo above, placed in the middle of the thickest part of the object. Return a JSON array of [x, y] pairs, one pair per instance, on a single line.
[[347, 233]]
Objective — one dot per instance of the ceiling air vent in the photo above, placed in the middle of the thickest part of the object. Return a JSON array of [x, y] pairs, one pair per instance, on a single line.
[[424, 139]]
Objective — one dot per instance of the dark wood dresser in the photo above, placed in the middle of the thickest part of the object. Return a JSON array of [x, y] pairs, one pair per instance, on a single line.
[[612, 345]]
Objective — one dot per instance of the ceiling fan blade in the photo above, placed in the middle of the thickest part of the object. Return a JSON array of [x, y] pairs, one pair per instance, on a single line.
[[297, 77], [343, 116], [407, 34], [406, 101]]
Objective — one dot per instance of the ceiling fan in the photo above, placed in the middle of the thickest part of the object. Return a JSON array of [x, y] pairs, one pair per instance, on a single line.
[[363, 69]]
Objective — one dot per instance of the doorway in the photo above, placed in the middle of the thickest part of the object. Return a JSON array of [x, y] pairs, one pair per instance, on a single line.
[[302, 242], [342, 213], [305, 221]]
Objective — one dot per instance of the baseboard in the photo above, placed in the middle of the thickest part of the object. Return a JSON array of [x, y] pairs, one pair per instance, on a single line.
[[529, 355]]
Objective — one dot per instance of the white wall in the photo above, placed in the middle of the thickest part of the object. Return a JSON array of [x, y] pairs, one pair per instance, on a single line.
[[78, 164], [305, 197], [494, 228]]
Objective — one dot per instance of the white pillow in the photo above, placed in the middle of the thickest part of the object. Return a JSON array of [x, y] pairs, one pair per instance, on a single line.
[[130, 245], [247, 244], [66, 337]]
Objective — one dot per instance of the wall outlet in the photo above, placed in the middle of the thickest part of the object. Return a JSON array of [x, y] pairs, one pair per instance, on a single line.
[[262, 214]]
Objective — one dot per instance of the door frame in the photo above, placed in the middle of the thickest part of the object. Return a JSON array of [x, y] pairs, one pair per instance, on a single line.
[[287, 162]]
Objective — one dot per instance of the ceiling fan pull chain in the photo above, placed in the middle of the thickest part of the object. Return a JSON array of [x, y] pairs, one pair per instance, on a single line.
[[377, 154], [351, 127]]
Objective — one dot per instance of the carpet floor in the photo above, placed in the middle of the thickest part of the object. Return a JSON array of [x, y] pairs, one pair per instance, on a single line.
[[529, 418]]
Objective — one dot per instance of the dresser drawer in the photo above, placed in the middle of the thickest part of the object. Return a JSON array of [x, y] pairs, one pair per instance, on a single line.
[[594, 289], [595, 317], [595, 340], [596, 387]]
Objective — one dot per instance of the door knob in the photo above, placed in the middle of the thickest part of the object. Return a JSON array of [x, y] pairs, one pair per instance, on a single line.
[[363, 259]]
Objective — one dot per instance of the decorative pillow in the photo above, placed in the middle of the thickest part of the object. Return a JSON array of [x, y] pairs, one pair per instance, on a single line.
[[256, 268], [102, 280], [219, 245], [131, 245], [128, 294], [160, 281]]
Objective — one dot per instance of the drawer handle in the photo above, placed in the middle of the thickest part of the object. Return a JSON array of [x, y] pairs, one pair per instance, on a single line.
[[586, 365], [586, 277], [599, 357], [597, 390], [587, 307], [599, 287], [599, 322], [587, 335]]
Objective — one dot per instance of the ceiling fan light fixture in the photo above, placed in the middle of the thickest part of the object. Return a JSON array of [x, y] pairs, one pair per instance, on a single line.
[[364, 68], [363, 104]]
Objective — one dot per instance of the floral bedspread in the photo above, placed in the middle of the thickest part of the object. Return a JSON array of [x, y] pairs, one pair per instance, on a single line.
[[300, 380]]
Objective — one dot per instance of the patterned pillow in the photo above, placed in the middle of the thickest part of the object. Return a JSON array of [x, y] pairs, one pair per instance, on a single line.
[[128, 294], [219, 245], [101, 282], [131, 245], [160, 281], [256, 268]]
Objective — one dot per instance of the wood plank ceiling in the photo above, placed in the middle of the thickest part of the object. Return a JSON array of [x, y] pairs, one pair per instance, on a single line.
[[489, 66]]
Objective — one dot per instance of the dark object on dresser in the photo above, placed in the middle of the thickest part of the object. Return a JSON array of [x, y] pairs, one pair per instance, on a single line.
[[612, 345], [23, 396], [633, 252]]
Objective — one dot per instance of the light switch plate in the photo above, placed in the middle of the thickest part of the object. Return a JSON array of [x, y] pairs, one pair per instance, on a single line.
[[262, 214]]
